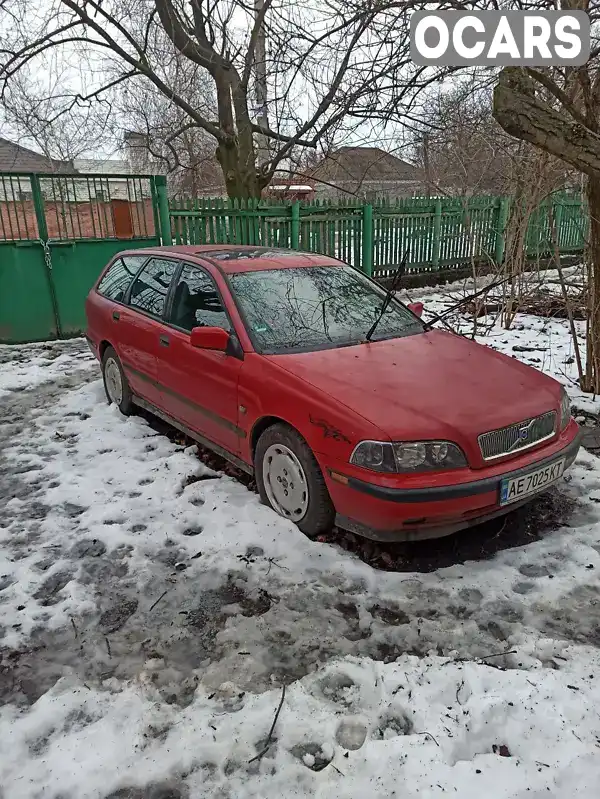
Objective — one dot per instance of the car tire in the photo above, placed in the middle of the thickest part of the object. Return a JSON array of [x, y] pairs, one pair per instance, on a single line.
[[116, 385], [283, 462]]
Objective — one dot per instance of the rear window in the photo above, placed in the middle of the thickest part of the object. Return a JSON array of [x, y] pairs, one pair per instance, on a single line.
[[150, 288], [116, 281]]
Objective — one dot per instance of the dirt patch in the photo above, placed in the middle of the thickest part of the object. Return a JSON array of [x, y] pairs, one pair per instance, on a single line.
[[158, 790], [116, 616], [48, 592]]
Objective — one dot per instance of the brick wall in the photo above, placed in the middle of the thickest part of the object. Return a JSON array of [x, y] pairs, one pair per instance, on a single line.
[[78, 220]]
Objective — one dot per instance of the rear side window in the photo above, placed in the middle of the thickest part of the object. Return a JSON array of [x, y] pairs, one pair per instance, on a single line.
[[116, 281], [149, 289]]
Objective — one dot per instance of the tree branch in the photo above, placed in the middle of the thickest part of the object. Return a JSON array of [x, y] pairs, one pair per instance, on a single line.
[[202, 53], [523, 115], [555, 90], [144, 68], [250, 52], [273, 134]]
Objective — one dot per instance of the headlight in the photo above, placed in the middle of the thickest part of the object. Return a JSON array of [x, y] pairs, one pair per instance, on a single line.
[[410, 456], [565, 410]]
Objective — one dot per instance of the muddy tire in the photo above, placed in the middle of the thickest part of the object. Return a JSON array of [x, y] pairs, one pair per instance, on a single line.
[[290, 481], [116, 386]]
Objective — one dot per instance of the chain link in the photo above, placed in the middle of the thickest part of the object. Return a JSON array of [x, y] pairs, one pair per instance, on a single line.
[[47, 254]]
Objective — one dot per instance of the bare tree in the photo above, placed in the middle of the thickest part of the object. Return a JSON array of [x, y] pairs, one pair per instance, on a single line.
[[558, 111], [325, 60], [30, 102], [156, 135], [462, 150]]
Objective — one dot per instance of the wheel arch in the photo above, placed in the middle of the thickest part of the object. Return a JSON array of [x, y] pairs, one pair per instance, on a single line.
[[263, 424], [102, 347]]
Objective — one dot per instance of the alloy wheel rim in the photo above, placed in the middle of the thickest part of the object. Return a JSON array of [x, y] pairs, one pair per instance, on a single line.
[[285, 482], [114, 384]]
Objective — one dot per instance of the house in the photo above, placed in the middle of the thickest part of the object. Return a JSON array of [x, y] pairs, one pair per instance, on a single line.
[[290, 189], [113, 183], [15, 158], [366, 172], [82, 198]]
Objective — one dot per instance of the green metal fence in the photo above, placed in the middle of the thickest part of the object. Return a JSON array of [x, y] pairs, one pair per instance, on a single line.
[[56, 234], [58, 231], [436, 233]]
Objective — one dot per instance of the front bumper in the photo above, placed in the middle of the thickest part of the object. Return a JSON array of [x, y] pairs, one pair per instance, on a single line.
[[391, 513]]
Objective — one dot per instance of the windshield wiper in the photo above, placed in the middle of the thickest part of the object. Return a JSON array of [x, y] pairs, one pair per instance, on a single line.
[[388, 297]]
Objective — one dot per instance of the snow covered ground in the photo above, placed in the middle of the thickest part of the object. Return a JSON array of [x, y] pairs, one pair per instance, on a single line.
[[152, 613]]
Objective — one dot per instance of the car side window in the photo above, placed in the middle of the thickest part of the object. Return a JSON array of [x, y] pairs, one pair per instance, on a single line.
[[197, 302], [116, 281], [149, 289]]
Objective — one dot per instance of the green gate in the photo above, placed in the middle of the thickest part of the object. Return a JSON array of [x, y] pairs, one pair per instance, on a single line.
[[56, 234]]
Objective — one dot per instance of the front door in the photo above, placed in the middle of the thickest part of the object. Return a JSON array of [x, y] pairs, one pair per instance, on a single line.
[[199, 387]]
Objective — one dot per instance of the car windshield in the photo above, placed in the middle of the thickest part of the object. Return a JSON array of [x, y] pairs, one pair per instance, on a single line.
[[318, 307]]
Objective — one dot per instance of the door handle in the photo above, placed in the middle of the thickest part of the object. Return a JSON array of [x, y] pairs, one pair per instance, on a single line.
[[164, 341], [116, 316]]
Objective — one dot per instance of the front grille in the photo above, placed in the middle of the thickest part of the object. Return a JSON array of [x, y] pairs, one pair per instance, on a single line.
[[517, 437]]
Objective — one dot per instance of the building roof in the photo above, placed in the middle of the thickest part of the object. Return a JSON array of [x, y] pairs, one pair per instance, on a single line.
[[103, 166], [14, 158], [360, 164]]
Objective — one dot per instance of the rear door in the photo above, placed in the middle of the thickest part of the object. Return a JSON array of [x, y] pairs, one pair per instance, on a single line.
[[105, 302], [200, 386], [140, 326]]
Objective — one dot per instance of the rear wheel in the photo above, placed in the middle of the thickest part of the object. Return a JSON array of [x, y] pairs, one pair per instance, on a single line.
[[290, 481], [116, 385]]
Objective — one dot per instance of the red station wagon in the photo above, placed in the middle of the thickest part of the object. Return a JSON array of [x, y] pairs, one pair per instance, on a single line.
[[270, 358]]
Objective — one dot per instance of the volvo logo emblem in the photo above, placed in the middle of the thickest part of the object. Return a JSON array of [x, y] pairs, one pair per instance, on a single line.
[[522, 435]]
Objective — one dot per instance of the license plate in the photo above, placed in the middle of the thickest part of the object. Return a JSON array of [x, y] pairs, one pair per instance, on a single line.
[[516, 488]]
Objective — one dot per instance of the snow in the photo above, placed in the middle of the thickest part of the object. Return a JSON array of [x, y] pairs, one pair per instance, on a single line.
[[152, 612], [30, 365], [457, 716]]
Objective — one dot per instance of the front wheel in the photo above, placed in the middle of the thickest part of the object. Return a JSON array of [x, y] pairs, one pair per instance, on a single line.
[[116, 385], [290, 481]]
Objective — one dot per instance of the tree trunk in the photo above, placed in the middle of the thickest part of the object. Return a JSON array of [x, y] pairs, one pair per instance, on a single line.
[[525, 116], [236, 154], [241, 179], [592, 376], [569, 134]]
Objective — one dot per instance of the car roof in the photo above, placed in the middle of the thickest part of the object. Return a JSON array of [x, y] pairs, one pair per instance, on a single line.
[[232, 258]]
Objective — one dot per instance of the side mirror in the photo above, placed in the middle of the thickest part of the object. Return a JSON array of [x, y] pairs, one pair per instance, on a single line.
[[416, 308], [209, 338]]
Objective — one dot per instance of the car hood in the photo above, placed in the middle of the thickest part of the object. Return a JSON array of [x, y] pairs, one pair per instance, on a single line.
[[431, 385]]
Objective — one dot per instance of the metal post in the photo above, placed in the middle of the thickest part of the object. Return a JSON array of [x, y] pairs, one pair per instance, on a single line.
[[154, 201], [38, 205], [502, 219], [367, 240], [295, 231], [437, 234], [163, 210], [557, 213], [42, 225]]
